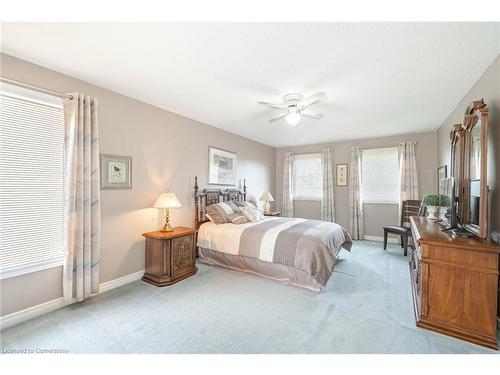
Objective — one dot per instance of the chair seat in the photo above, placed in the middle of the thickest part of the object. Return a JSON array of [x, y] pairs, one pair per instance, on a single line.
[[397, 229]]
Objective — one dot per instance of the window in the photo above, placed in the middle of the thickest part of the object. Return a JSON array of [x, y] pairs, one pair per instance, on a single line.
[[31, 181], [307, 178], [380, 175]]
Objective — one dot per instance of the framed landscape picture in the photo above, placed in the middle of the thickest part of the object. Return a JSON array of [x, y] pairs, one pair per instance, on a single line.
[[116, 172], [442, 172], [221, 167], [342, 174]]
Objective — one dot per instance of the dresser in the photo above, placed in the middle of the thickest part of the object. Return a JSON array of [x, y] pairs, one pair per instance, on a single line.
[[170, 256], [454, 283]]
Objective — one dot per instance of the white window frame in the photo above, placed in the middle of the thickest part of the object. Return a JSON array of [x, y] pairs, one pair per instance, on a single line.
[[36, 97], [380, 202], [308, 155]]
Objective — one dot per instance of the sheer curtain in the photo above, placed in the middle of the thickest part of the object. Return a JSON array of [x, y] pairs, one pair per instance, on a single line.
[[288, 185], [82, 209], [355, 201], [407, 172], [327, 201]]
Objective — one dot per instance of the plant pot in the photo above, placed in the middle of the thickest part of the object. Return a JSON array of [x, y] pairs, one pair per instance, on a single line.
[[442, 212], [432, 212]]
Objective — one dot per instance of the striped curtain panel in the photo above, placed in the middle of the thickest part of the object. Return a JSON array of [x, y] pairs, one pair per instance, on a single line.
[[408, 182], [82, 199], [288, 185], [355, 201], [327, 204]]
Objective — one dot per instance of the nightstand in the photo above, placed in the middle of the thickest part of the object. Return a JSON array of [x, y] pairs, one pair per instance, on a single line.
[[273, 213], [170, 256]]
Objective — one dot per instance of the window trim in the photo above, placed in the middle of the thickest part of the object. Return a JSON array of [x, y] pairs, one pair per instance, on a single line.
[[40, 265]]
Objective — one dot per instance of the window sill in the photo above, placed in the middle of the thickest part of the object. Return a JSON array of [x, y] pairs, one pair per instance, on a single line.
[[307, 199], [33, 267]]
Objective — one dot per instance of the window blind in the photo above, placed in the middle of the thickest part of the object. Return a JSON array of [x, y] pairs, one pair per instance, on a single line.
[[31, 181], [307, 177], [380, 175]]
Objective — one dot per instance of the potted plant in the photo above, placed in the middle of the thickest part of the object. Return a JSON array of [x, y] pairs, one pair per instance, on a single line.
[[444, 205], [431, 202]]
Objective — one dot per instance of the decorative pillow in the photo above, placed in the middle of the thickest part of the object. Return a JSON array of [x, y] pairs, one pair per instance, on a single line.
[[237, 218], [252, 214], [245, 204], [218, 212]]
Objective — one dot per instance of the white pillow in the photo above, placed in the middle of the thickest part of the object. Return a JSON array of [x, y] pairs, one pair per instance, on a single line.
[[252, 214]]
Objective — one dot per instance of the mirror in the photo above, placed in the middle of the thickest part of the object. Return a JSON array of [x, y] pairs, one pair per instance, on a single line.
[[457, 140], [475, 174], [475, 215]]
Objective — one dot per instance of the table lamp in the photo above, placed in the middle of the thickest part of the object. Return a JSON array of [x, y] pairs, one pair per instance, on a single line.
[[167, 201], [266, 197]]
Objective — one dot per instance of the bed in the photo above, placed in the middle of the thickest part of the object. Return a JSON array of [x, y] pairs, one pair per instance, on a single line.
[[293, 251]]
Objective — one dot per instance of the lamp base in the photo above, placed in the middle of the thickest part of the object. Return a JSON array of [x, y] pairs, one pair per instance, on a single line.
[[167, 227], [267, 207]]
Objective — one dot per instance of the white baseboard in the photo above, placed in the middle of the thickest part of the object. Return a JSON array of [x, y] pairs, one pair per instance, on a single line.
[[20, 316], [381, 239], [112, 284], [30, 313]]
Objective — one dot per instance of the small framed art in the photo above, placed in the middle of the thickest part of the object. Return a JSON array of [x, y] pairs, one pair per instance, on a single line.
[[342, 174], [221, 167], [442, 172], [116, 172]]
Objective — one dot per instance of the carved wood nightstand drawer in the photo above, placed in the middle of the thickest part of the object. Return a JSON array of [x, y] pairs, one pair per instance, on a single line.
[[170, 256]]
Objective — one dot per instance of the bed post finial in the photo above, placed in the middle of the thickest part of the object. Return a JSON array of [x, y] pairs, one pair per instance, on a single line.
[[244, 189], [196, 203]]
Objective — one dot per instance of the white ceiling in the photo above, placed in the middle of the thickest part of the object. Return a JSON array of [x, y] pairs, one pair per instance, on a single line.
[[381, 78]]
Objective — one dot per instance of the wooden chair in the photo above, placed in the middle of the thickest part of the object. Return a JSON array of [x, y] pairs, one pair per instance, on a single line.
[[409, 208]]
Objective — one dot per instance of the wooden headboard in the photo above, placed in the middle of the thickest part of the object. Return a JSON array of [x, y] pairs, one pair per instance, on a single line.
[[209, 196]]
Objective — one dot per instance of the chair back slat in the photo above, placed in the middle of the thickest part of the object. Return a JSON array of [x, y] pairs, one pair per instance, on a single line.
[[409, 208]]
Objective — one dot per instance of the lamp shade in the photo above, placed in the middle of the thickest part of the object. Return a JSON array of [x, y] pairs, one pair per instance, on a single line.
[[266, 196], [167, 200]]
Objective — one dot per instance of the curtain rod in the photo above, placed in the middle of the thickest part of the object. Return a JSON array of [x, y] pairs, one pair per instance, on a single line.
[[333, 149], [36, 88], [386, 146]]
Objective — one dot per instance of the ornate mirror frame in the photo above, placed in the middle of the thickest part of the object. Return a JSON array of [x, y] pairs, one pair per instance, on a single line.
[[458, 143], [476, 112]]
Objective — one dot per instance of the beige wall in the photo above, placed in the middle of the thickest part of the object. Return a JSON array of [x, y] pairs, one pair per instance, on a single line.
[[168, 150], [488, 88], [376, 215]]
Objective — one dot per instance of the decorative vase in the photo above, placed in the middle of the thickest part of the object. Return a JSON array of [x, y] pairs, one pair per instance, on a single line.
[[431, 212], [442, 212]]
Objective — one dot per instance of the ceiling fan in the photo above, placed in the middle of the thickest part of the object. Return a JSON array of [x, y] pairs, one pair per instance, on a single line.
[[294, 105]]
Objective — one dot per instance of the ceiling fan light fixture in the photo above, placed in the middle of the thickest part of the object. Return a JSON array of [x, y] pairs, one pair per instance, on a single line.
[[293, 117]]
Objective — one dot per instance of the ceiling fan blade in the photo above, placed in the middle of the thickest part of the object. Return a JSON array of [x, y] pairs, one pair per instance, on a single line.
[[279, 117], [273, 105], [313, 99], [310, 113]]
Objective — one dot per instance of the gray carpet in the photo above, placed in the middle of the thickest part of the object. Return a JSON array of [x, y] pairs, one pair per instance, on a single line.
[[365, 308]]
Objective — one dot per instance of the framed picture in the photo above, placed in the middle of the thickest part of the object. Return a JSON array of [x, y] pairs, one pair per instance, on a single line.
[[442, 172], [116, 172], [342, 174], [221, 167]]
